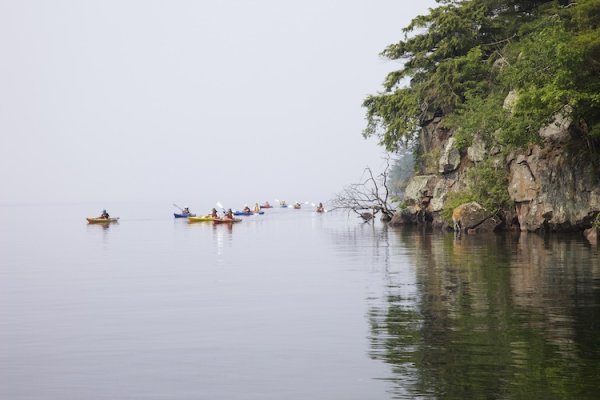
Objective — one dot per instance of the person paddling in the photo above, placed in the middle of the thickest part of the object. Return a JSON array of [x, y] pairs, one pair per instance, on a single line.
[[104, 215], [186, 211], [228, 215], [214, 214]]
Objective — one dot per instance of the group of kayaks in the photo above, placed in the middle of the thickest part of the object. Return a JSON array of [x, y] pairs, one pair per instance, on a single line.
[[236, 213], [258, 210]]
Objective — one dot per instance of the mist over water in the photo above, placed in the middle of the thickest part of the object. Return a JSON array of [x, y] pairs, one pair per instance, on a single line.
[[151, 101], [291, 304]]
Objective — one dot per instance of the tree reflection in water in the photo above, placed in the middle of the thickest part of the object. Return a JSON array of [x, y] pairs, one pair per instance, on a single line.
[[498, 316]]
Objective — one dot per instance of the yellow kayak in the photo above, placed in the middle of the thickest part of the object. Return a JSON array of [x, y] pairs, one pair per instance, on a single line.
[[204, 218], [101, 220]]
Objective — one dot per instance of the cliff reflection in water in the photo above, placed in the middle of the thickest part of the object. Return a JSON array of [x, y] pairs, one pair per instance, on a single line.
[[489, 317]]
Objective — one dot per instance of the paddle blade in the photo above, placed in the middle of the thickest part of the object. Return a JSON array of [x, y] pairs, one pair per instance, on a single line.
[[220, 205]]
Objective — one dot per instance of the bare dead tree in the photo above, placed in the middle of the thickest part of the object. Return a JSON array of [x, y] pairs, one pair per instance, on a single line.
[[367, 198]]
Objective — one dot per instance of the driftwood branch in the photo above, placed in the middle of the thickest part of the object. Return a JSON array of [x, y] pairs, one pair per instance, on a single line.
[[368, 197]]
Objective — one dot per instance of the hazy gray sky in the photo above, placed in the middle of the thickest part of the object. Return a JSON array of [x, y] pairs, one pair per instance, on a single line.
[[190, 101]]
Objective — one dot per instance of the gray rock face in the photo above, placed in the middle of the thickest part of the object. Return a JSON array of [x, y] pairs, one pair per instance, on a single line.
[[440, 193], [522, 184], [432, 135], [488, 225], [420, 189], [450, 159], [477, 152], [553, 190], [554, 185], [558, 131], [406, 216]]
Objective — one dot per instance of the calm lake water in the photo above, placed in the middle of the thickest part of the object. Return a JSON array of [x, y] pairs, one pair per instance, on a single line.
[[289, 305]]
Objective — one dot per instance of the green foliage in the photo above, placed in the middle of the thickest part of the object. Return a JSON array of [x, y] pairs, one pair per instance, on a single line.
[[464, 57], [430, 160], [547, 72], [443, 66], [596, 222], [487, 186], [478, 115], [392, 117], [587, 15]]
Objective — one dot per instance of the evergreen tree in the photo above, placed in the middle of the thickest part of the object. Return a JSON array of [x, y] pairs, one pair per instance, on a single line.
[[461, 60]]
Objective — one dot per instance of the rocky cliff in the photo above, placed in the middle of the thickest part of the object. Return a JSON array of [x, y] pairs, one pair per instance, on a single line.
[[553, 185]]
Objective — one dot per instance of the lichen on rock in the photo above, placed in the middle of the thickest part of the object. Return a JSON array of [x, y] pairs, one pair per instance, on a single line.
[[450, 159]]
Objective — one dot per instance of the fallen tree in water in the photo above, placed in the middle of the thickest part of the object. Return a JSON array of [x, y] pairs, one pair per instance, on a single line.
[[367, 198]]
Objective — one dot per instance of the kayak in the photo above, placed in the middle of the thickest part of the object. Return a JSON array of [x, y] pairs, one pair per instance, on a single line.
[[204, 218], [297, 206], [320, 210], [247, 213], [266, 206], [227, 221], [183, 215], [101, 220]]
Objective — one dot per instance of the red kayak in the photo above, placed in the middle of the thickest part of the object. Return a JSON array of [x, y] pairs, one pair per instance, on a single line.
[[227, 221]]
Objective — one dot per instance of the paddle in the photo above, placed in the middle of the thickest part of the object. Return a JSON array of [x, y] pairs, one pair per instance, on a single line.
[[181, 209], [222, 208]]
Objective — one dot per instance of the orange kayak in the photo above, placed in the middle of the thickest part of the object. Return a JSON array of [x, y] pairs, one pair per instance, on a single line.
[[227, 220]]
